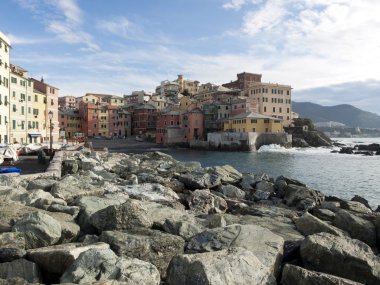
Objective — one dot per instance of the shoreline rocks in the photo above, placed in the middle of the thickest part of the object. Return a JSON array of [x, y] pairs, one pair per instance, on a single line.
[[149, 219]]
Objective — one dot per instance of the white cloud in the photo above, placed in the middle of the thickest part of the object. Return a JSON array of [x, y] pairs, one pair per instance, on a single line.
[[120, 26], [63, 18], [234, 4], [20, 40]]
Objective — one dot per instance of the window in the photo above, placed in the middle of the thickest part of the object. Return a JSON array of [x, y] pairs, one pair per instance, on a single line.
[[29, 110], [287, 92], [29, 98], [287, 110], [274, 110], [22, 110], [22, 125], [14, 108], [266, 121], [280, 110], [13, 80], [253, 121], [13, 124], [22, 96], [265, 109], [44, 100], [254, 130]]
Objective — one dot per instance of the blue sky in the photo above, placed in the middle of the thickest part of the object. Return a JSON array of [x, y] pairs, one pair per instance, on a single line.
[[328, 50]]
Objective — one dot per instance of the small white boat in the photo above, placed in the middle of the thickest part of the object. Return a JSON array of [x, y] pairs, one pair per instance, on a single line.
[[10, 153]]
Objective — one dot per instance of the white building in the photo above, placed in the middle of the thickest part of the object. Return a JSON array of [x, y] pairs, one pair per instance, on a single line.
[[5, 46]]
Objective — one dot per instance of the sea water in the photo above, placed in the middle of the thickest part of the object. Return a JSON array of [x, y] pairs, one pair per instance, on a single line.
[[341, 175]]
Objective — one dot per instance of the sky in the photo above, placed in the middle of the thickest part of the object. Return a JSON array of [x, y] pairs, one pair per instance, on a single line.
[[327, 50]]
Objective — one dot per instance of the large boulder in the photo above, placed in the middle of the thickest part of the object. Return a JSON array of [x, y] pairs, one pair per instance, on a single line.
[[341, 256], [308, 224], [231, 191], [57, 258], [357, 227], [186, 228], [41, 183], [91, 204], [265, 245], [12, 246], [150, 192], [128, 215], [21, 268], [70, 230], [39, 229], [229, 266], [203, 201], [301, 197], [96, 265], [226, 173], [40, 199], [294, 275], [71, 187], [355, 206], [200, 180], [149, 245]]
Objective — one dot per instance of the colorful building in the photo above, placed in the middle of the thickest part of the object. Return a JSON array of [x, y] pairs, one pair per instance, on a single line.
[[244, 80], [187, 87], [253, 122], [144, 120], [70, 122], [68, 102]]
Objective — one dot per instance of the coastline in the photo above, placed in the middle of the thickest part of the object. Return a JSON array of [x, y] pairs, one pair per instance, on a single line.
[[182, 214]]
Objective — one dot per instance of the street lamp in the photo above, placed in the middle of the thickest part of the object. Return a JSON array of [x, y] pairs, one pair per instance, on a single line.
[[6, 137], [51, 134]]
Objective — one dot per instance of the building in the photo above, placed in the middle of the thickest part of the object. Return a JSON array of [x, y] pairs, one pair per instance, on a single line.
[[167, 88], [68, 102], [273, 100], [5, 47], [187, 87], [119, 122], [138, 97], [70, 122], [45, 99], [244, 80], [241, 105], [253, 122], [144, 119], [21, 89], [158, 101]]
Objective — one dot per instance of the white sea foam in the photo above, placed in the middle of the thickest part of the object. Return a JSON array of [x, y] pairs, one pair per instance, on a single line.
[[296, 150]]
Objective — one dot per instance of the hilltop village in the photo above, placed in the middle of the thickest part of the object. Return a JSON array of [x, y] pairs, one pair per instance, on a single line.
[[178, 112]]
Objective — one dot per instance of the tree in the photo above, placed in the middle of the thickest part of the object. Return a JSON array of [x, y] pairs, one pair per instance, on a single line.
[[300, 122]]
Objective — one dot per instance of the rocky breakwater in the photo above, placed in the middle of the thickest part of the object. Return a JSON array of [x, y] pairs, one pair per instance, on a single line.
[[368, 150], [149, 219]]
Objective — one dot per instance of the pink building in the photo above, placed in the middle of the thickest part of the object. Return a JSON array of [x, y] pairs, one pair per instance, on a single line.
[[243, 105]]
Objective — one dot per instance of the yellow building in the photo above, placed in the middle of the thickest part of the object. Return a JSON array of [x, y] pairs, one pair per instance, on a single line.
[[187, 86], [104, 121], [253, 122]]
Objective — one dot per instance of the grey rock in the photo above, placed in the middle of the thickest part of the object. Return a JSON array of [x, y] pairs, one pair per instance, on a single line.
[[215, 221], [128, 215], [69, 166], [324, 214], [57, 258], [40, 199], [71, 210], [148, 245], [87, 163], [40, 230], [199, 180], [186, 167], [95, 265], [90, 205], [203, 201], [21, 268], [150, 192], [357, 227], [333, 206], [259, 195], [294, 275], [280, 187], [265, 186], [184, 229], [308, 224], [41, 183], [302, 198], [12, 246], [229, 266], [70, 230], [265, 245], [226, 173], [341, 256], [354, 206], [362, 200], [231, 191]]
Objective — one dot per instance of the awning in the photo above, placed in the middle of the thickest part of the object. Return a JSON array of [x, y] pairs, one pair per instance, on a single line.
[[34, 135]]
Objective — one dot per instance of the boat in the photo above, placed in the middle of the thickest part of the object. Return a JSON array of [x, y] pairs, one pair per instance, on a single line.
[[9, 153]]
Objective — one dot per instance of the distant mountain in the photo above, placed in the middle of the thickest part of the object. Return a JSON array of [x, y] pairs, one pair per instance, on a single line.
[[345, 114]]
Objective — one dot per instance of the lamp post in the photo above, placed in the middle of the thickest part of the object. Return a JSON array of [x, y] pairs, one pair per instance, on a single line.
[[51, 134], [6, 130]]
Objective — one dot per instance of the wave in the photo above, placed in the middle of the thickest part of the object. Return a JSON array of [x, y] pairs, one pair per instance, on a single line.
[[295, 150]]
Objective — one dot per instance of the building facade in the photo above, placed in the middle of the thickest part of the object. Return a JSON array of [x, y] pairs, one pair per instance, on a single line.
[[5, 47], [244, 80], [253, 122], [187, 87], [70, 122], [67, 102]]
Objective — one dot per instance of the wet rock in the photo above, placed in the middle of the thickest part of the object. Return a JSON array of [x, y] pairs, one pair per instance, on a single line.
[[294, 275], [231, 191], [357, 227], [354, 206], [41, 183], [39, 229], [308, 224], [12, 246], [203, 201], [21, 268], [341, 256], [57, 258], [242, 266], [302, 198], [95, 265], [148, 245], [265, 245], [128, 215]]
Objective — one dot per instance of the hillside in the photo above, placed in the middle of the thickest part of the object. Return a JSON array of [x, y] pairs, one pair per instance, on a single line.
[[346, 114]]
